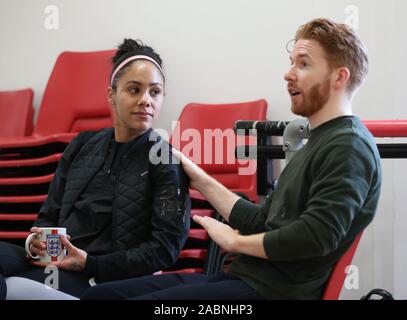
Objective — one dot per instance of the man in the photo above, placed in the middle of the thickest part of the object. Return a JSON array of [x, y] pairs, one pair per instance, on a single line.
[[325, 197]]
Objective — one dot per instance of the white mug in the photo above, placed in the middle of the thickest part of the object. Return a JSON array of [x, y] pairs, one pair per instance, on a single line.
[[54, 250]]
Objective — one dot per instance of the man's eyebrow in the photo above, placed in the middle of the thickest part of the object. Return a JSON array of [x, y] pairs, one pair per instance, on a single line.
[[304, 55], [298, 56]]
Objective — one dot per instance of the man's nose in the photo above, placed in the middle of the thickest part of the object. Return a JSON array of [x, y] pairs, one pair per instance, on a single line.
[[290, 75]]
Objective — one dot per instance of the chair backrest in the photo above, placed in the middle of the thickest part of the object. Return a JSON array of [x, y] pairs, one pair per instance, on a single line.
[[17, 112], [75, 98], [207, 131], [337, 277]]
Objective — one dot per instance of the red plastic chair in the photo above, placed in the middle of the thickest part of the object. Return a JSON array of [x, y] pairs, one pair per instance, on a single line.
[[335, 282], [196, 119], [76, 95], [194, 258], [74, 100], [17, 112]]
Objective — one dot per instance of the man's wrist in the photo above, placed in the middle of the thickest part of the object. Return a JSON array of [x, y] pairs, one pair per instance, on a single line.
[[237, 244]]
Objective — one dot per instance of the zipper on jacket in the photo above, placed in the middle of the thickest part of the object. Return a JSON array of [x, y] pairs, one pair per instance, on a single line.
[[114, 227]]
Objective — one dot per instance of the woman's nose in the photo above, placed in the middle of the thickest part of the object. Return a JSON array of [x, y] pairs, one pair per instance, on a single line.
[[145, 99]]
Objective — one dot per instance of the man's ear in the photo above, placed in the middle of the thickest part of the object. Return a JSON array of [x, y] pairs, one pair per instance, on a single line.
[[342, 77], [111, 96]]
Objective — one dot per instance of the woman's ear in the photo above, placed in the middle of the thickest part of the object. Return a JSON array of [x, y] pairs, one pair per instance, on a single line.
[[111, 96]]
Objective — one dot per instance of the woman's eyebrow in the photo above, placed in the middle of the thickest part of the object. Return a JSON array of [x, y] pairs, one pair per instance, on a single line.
[[139, 83]]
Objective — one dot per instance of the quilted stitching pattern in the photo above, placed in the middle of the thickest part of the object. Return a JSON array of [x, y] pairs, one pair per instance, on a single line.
[[131, 208]]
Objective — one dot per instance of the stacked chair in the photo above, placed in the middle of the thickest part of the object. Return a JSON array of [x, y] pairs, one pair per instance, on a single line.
[[200, 254], [74, 100], [17, 113]]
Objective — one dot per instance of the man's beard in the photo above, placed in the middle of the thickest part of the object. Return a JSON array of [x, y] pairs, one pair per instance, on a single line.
[[313, 101]]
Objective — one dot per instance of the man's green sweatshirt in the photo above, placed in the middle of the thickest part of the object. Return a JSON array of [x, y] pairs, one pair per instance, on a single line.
[[325, 196]]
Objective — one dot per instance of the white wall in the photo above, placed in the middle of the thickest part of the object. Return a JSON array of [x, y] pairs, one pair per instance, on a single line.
[[228, 51]]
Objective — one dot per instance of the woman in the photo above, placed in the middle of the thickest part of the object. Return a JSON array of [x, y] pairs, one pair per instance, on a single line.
[[127, 214]]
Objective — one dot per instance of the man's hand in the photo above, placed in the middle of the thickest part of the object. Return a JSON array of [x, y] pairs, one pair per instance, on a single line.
[[74, 261], [221, 198], [220, 232], [231, 240], [195, 173]]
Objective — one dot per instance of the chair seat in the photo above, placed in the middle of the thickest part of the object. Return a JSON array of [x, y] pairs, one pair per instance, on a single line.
[[23, 199], [13, 234], [17, 163], [26, 180], [18, 216], [34, 141]]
